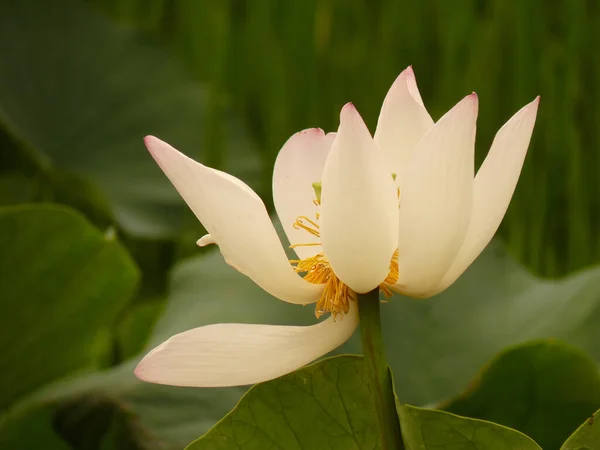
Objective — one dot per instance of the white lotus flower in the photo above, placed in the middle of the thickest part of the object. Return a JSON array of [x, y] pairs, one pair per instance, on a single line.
[[399, 211]]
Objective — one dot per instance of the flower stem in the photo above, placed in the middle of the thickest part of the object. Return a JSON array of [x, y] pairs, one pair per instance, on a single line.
[[380, 382]]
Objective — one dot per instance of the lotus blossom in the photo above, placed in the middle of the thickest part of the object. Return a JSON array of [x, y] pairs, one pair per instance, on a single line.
[[398, 211]]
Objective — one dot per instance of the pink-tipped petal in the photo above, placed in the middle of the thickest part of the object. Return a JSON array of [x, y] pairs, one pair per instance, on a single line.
[[237, 221], [240, 354], [494, 186], [435, 200], [403, 121], [300, 164], [359, 222]]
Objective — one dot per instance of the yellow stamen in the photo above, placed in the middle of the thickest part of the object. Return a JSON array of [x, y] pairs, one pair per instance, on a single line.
[[392, 277], [309, 244], [336, 296], [311, 227], [316, 268]]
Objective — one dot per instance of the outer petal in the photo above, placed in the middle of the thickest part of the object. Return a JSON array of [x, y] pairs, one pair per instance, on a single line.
[[241, 354], [403, 121], [359, 204], [237, 221], [435, 200], [300, 164], [494, 186]]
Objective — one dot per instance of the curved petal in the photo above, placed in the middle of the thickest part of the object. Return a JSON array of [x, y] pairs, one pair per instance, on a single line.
[[300, 164], [494, 186], [205, 240], [435, 200], [403, 121], [240, 354], [359, 204], [237, 221]]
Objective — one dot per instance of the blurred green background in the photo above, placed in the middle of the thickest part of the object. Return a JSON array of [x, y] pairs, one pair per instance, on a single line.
[[227, 82]]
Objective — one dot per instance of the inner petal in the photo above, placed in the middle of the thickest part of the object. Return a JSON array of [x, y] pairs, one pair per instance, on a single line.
[[337, 296], [299, 164]]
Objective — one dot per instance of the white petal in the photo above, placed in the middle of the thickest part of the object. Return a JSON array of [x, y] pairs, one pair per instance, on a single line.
[[241, 354], [359, 222], [237, 221], [300, 164], [435, 200], [205, 240], [403, 121], [494, 186]]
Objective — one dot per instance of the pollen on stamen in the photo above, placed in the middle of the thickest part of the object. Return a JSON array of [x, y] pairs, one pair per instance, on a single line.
[[336, 296], [303, 222], [393, 275]]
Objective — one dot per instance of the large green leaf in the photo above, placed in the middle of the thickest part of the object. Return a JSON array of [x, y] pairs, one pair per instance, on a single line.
[[544, 389], [427, 429], [63, 286], [326, 405], [587, 436], [78, 93]]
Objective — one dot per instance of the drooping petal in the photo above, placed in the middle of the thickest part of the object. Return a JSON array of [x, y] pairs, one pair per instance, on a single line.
[[242, 354], [494, 186], [237, 221], [300, 164], [435, 200], [359, 222], [403, 121]]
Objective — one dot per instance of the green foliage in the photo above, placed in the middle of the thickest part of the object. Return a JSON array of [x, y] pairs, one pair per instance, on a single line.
[[29, 430], [443, 356], [426, 429], [328, 406], [587, 436], [445, 340], [454, 333], [16, 188], [227, 82], [290, 65], [60, 279], [544, 389], [134, 328], [78, 93], [323, 406]]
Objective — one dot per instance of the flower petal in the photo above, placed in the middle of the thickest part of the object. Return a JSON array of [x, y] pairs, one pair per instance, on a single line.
[[237, 221], [205, 240], [240, 354], [494, 186], [435, 200], [403, 121], [359, 204], [300, 164]]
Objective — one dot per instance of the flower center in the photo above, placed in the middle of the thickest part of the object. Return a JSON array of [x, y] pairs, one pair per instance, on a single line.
[[336, 296]]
